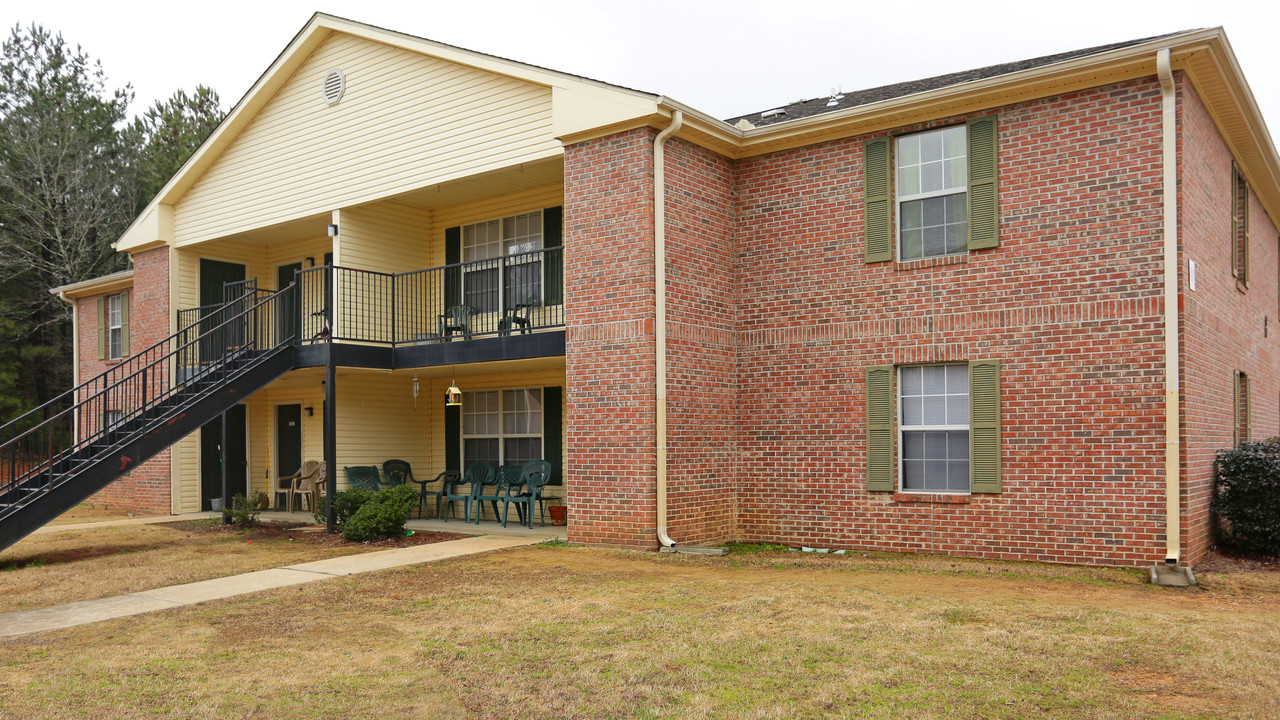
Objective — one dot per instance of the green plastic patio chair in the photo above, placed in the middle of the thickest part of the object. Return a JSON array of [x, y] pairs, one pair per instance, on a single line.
[[363, 476], [518, 315], [445, 479], [506, 478], [476, 475], [455, 319], [534, 475], [396, 472]]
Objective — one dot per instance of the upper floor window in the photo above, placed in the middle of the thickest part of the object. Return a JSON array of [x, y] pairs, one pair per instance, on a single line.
[[504, 280], [932, 191], [1239, 227], [115, 327]]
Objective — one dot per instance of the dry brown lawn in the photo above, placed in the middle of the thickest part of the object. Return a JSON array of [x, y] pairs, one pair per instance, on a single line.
[[554, 632], [88, 512], [83, 564]]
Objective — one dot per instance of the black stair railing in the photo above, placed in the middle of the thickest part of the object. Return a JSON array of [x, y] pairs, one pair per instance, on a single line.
[[45, 445]]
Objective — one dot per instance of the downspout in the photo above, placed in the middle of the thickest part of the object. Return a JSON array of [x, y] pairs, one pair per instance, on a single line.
[[1172, 441], [660, 315], [75, 358]]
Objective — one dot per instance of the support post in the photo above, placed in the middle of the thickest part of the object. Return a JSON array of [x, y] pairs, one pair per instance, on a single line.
[[330, 441], [222, 463]]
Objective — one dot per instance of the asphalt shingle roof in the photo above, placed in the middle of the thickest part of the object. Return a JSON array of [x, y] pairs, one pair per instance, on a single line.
[[818, 106]]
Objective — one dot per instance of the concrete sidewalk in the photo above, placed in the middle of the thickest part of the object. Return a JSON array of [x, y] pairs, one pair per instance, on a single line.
[[57, 617]]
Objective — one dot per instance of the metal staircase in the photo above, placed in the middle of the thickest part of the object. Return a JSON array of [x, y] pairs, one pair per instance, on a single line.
[[63, 452]]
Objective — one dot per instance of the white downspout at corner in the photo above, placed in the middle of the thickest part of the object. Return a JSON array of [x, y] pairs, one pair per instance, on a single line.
[[660, 316], [75, 357], [1172, 441]]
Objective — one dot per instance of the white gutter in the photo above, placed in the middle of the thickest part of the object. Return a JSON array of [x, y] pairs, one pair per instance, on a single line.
[[660, 314], [1172, 441]]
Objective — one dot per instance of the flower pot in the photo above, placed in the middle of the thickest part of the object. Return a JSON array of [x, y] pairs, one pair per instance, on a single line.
[[559, 514]]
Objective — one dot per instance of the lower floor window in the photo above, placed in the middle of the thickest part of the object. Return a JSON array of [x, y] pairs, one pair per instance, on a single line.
[[502, 427], [934, 427]]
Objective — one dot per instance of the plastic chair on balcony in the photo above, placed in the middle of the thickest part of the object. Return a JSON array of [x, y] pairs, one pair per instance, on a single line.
[[533, 477], [456, 319], [363, 476], [519, 315]]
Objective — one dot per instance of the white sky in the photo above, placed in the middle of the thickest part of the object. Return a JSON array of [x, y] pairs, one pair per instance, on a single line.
[[725, 58]]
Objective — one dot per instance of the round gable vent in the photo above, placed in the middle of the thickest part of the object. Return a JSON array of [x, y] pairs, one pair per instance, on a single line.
[[334, 84]]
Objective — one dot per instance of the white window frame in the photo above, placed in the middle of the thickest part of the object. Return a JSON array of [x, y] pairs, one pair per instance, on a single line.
[[538, 240], [501, 436], [115, 327], [900, 198], [903, 428]]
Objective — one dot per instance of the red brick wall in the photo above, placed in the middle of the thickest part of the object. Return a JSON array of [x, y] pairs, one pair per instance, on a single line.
[[1223, 322], [609, 359], [702, 471], [1070, 305], [148, 488]]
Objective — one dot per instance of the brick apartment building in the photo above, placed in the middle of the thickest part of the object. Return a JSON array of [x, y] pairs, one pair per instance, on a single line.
[[1012, 312]]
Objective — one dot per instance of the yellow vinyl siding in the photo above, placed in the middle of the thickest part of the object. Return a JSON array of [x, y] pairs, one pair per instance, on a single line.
[[186, 474], [406, 120]]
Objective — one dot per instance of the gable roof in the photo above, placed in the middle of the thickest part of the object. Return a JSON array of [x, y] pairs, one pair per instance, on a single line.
[[843, 100]]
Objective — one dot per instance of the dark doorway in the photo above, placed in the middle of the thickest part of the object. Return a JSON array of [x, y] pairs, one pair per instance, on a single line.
[[291, 309], [210, 460], [213, 273], [288, 439]]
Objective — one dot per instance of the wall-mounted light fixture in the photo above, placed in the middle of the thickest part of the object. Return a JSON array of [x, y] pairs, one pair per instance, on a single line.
[[311, 412], [333, 230], [311, 262]]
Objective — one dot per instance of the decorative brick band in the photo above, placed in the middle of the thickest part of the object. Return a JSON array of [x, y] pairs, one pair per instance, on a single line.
[[1025, 317], [610, 331]]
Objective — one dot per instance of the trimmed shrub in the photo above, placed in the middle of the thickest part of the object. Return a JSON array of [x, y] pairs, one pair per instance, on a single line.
[[384, 515], [346, 504], [1247, 496], [243, 511]]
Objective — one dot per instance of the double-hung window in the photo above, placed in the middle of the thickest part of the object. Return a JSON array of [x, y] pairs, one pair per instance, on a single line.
[[934, 428], [503, 268], [1241, 420], [1240, 227], [932, 191], [115, 327], [503, 427]]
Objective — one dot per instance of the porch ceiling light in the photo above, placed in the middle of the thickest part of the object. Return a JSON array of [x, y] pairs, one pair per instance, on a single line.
[[452, 396]]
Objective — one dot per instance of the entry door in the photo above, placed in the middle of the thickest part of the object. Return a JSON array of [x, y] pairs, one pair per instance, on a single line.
[[211, 456], [291, 311], [288, 439], [213, 273]]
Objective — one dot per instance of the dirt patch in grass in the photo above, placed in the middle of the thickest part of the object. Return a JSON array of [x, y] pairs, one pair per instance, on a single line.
[[545, 632], [87, 563]]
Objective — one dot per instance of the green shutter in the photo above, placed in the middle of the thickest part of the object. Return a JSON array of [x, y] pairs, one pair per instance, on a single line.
[[453, 438], [984, 425], [452, 275], [877, 218], [124, 324], [984, 216], [553, 268], [880, 402], [102, 328], [553, 432]]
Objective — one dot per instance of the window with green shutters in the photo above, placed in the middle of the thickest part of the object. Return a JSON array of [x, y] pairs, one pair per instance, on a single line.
[[937, 425], [1239, 227], [113, 326], [931, 194]]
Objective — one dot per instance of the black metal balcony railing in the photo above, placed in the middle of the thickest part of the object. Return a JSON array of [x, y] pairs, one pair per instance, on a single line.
[[503, 295]]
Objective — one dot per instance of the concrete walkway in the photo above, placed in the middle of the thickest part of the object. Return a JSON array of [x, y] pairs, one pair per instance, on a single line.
[[57, 617]]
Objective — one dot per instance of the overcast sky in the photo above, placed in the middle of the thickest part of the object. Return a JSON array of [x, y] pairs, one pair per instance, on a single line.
[[725, 58]]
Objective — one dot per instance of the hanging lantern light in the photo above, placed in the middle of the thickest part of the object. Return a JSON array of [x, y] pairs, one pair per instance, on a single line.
[[452, 396]]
